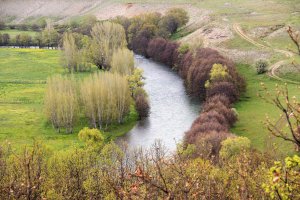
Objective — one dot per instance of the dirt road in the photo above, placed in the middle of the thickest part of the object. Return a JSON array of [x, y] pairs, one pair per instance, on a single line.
[[275, 66]]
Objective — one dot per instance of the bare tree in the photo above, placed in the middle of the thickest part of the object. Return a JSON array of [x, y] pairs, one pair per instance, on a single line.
[[295, 37], [287, 126]]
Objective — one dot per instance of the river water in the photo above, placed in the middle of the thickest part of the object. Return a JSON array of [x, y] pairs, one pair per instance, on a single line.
[[172, 110]]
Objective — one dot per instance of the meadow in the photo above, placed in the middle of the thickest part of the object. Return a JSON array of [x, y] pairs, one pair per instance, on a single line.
[[252, 109], [23, 76]]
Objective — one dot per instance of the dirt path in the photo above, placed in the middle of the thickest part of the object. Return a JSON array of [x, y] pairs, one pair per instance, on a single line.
[[275, 66]]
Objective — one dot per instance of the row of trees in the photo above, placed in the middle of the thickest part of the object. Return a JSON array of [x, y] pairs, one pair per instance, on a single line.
[[142, 28], [49, 37], [105, 98]]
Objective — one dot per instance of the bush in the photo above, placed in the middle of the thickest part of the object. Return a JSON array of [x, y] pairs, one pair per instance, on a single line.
[[227, 89], [142, 105], [219, 107], [261, 66], [208, 145], [233, 146]]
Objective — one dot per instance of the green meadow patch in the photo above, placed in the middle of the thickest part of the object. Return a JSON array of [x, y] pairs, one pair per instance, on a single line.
[[23, 76]]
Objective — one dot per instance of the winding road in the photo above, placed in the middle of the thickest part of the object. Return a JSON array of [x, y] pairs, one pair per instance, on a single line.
[[275, 66]]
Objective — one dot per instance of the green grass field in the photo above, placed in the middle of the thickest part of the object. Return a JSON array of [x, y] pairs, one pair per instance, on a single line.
[[23, 73], [253, 110], [12, 33]]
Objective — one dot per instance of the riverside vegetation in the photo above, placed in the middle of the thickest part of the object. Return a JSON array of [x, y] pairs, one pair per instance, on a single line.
[[211, 163]]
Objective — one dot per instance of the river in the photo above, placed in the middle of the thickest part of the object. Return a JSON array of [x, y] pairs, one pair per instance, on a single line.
[[172, 110]]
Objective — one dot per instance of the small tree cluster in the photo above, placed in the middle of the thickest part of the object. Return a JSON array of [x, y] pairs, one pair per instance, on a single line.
[[107, 37], [61, 103], [74, 58], [106, 98], [141, 29]]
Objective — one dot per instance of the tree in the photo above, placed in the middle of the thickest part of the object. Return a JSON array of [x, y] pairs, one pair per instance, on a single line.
[[5, 39], [180, 15], [135, 81], [290, 115], [25, 39], [70, 52], [284, 179], [122, 62], [105, 98], [61, 103], [141, 103], [107, 37], [2, 25], [295, 37], [49, 35]]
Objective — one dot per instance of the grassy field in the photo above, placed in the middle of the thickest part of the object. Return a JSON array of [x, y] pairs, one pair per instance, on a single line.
[[12, 33], [23, 73], [253, 110]]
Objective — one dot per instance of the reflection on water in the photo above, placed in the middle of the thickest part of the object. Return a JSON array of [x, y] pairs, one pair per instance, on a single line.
[[172, 111]]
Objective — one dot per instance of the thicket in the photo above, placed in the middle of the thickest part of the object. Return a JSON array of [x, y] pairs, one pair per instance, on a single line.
[[110, 171], [141, 29], [61, 103], [106, 98]]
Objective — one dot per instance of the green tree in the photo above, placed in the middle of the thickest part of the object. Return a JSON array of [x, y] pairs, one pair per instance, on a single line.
[[122, 62], [107, 37], [135, 81], [284, 179], [61, 102]]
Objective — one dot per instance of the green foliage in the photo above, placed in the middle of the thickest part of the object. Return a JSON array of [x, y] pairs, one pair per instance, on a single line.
[[106, 98], [90, 136], [122, 62], [233, 146], [261, 66], [136, 81], [61, 103], [218, 72], [180, 15], [284, 179], [107, 37], [184, 48]]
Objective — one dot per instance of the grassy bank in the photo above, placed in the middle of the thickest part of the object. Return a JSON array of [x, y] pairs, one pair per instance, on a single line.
[[253, 110], [23, 73]]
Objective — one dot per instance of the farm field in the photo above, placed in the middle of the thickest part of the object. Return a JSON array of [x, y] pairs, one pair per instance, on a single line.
[[23, 74]]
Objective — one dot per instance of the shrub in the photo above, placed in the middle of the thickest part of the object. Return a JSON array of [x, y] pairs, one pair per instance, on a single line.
[[261, 66], [142, 105], [227, 89], [209, 144], [233, 146], [199, 129], [219, 107]]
